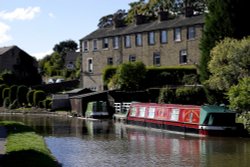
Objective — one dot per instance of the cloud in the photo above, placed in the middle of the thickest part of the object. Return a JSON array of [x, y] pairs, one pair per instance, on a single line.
[[51, 15], [20, 14], [4, 37], [41, 55]]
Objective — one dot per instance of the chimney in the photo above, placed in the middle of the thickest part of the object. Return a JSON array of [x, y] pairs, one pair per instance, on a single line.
[[189, 11], [140, 19], [163, 16]]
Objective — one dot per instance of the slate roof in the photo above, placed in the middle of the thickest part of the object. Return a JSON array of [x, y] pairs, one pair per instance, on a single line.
[[156, 25], [5, 49]]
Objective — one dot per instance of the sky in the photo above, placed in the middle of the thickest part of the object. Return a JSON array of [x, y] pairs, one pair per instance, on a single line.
[[36, 26]]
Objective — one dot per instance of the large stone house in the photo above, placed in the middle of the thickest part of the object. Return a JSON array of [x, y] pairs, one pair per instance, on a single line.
[[164, 42]]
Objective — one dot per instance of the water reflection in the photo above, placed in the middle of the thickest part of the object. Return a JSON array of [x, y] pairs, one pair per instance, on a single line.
[[76, 142]]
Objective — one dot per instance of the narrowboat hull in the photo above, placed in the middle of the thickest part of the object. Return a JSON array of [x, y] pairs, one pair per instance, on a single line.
[[185, 119]]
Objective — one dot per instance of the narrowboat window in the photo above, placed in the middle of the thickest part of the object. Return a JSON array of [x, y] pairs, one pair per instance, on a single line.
[[221, 119], [151, 112], [175, 114], [133, 112], [142, 111]]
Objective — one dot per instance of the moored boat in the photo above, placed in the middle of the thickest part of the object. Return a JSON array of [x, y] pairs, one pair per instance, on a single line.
[[207, 120], [96, 109]]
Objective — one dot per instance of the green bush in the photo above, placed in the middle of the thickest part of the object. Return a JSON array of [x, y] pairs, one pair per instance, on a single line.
[[13, 93], [108, 73], [22, 95], [47, 103], [238, 95], [1, 92], [38, 96], [30, 95], [5, 92], [6, 102], [167, 95]]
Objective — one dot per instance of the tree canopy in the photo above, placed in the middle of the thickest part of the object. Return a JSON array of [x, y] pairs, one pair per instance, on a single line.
[[65, 46]]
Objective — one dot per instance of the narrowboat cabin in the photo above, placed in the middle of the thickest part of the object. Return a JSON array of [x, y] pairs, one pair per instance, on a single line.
[[208, 120], [96, 109]]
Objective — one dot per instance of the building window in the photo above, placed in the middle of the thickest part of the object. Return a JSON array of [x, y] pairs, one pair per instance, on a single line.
[[177, 34], [151, 38], [164, 36], [132, 58], [105, 43], [90, 65], [110, 61], [183, 56], [95, 44], [127, 41], [191, 32], [116, 42], [138, 39], [85, 46], [156, 59]]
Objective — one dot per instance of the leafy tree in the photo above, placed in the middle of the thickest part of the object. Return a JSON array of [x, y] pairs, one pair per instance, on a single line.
[[230, 62], [108, 21], [224, 19], [131, 75], [65, 46], [239, 94]]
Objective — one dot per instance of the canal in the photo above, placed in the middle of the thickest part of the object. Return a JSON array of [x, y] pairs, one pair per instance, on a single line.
[[84, 143]]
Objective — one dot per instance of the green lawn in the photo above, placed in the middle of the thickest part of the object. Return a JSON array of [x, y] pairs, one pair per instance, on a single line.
[[25, 148]]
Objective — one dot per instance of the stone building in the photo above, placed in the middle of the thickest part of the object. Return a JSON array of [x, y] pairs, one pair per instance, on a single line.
[[164, 42]]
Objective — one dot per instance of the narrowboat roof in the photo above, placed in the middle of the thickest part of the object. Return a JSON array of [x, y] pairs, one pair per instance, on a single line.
[[216, 109]]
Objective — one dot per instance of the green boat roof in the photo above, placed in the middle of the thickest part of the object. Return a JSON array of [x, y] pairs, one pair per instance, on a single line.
[[207, 109]]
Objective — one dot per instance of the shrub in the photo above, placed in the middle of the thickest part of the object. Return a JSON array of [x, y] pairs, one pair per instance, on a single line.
[[13, 93], [1, 92], [6, 102], [30, 97], [22, 95], [47, 103], [5, 92], [38, 96], [238, 95], [167, 95]]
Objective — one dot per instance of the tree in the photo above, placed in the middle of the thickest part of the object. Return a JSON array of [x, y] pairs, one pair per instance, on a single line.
[[130, 76], [239, 94], [65, 46], [224, 19], [230, 62], [109, 20]]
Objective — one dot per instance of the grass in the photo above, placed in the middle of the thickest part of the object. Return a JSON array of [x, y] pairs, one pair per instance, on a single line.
[[25, 148]]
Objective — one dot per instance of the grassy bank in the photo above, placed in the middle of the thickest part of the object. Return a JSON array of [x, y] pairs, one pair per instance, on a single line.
[[25, 148]]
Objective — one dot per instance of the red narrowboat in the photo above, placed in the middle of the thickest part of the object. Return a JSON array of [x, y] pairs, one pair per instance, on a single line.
[[207, 120]]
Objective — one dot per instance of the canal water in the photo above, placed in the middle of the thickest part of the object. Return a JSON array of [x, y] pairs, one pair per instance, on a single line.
[[87, 143]]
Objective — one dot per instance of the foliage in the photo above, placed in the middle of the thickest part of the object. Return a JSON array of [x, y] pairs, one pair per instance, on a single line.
[[25, 148], [167, 95], [229, 63], [224, 19], [22, 95], [38, 96], [131, 75], [108, 73], [5, 92], [6, 102], [239, 94], [13, 93], [2, 86], [30, 96], [65, 46]]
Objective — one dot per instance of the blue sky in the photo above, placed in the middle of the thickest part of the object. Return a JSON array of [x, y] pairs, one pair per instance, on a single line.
[[37, 25]]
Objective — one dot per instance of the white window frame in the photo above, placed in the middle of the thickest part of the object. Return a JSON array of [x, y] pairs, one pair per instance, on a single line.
[[138, 39], [95, 44], [127, 41], [164, 36], [177, 34], [90, 65], [151, 38], [191, 32], [156, 59], [116, 42], [105, 43], [85, 46], [183, 56]]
